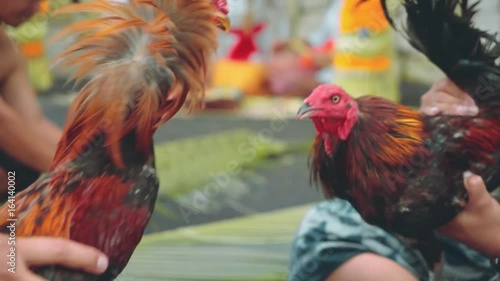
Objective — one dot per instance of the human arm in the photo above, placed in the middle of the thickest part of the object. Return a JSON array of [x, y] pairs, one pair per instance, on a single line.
[[26, 134], [478, 225], [445, 97], [333, 239], [39, 251], [22, 141], [374, 268], [18, 93]]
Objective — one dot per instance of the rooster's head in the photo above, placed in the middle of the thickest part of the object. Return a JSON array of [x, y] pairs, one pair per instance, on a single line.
[[222, 19], [332, 111]]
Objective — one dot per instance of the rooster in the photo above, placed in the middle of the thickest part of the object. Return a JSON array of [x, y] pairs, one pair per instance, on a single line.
[[401, 170], [146, 58]]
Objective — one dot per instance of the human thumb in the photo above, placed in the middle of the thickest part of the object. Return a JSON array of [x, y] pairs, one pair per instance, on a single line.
[[476, 190]]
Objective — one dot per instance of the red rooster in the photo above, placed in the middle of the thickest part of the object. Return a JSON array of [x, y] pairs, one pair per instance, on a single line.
[[146, 57], [401, 170]]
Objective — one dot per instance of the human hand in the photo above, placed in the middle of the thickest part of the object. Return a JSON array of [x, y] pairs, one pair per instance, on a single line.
[[445, 97], [478, 225], [40, 251]]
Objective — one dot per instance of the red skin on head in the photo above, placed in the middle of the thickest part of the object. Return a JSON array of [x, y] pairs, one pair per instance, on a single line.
[[221, 6], [334, 113]]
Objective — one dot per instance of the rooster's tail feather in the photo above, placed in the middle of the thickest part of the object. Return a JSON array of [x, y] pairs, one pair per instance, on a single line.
[[443, 31]]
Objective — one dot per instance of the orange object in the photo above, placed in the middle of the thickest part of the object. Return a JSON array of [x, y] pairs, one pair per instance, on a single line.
[[368, 14], [44, 6], [32, 49], [307, 52], [307, 61], [354, 62]]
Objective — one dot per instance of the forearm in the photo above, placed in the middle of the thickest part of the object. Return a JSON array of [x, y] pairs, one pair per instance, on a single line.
[[489, 246], [23, 121], [51, 131], [22, 142], [484, 237]]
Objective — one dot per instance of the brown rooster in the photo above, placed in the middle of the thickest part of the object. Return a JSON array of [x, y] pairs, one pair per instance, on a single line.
[[401, 170], [146, 58]]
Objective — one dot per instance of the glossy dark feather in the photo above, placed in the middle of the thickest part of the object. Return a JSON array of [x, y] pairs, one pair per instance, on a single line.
[[443, 30]]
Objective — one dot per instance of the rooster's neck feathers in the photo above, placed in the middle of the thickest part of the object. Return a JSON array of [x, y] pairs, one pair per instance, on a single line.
[[146, 58], [384, 136]]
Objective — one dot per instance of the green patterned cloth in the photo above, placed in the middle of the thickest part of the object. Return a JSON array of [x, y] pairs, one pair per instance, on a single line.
[[333, 232]]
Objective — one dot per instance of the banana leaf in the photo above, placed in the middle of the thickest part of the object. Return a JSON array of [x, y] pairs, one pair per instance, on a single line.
[[252, 248]]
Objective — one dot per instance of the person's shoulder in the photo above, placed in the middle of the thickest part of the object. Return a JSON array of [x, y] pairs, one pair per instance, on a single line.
[[332, 232]]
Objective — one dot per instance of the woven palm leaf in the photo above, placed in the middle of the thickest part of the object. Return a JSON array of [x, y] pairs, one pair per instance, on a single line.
[[252, 248]]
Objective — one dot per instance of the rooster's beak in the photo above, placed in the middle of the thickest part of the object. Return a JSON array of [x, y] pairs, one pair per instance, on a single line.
[[304, 111], [223, 22]]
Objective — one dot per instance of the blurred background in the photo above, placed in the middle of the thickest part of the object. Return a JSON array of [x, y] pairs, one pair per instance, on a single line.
[[234, 179]]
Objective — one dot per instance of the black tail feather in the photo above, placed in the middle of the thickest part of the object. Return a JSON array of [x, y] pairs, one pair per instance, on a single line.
[[444, 32]]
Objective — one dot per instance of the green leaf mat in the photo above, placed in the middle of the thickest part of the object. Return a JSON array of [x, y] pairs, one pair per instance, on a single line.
[[252, 248]]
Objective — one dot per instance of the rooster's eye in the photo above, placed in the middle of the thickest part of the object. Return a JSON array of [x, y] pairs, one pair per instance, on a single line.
[[335, 99]]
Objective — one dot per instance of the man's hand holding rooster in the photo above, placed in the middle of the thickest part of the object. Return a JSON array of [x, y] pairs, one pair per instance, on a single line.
[[478, 225], [16, 259]]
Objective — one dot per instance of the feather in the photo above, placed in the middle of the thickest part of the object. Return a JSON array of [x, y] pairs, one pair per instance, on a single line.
[[146, 59], [375, 146], [67, 204], [404, 171], [443, 30]]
